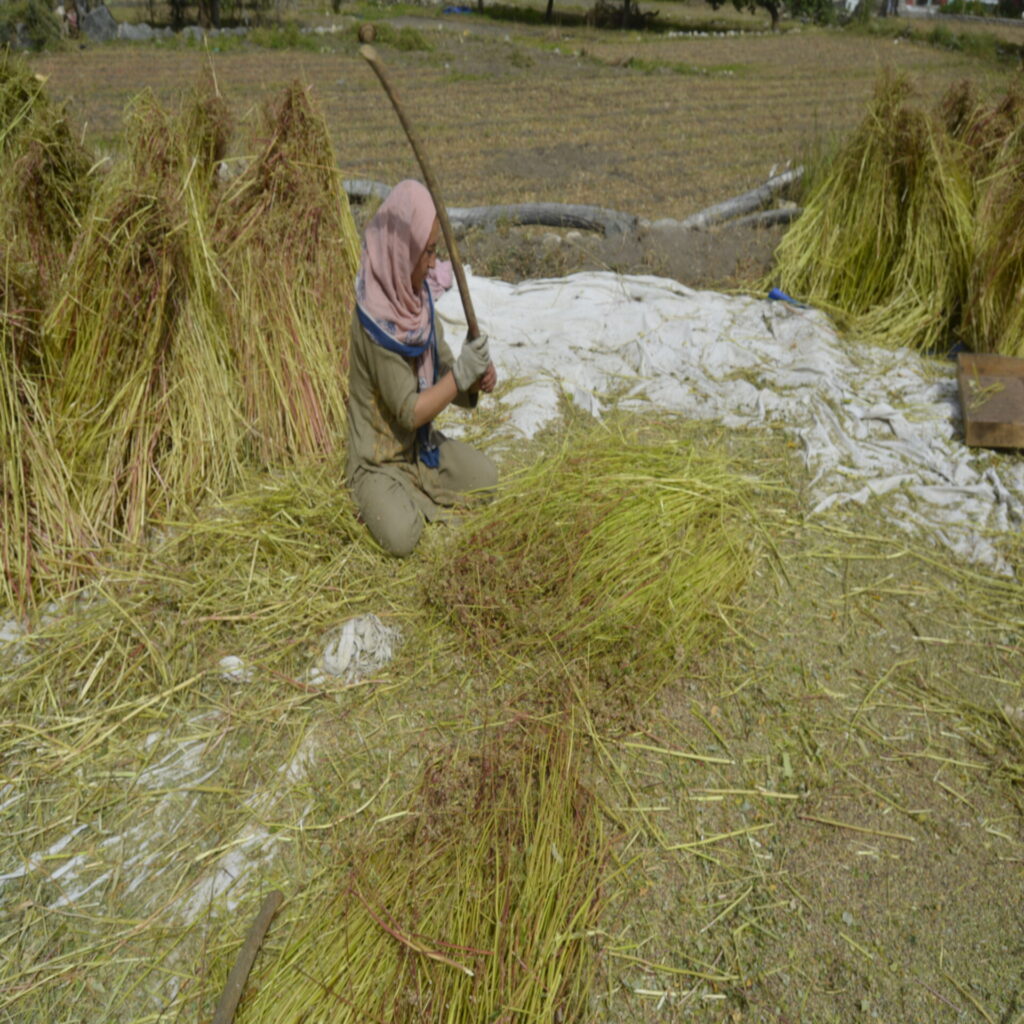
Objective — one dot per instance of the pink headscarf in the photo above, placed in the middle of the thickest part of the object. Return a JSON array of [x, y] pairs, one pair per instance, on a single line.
[[393, 242]]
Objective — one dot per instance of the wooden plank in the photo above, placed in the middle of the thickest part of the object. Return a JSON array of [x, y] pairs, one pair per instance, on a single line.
[[992, 399]]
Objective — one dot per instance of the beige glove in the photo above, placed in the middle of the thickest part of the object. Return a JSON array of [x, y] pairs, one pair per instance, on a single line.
[[472, 362]]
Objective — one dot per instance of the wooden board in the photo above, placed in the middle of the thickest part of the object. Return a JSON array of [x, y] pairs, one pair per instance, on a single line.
[[992, 400]]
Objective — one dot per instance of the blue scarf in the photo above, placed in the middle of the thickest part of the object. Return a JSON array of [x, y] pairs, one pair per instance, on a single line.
[[429, 453]]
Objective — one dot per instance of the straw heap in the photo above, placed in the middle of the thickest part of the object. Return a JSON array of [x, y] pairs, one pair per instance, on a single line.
[[478, 911], [290, 251], [914, 234], [994, 143], [167, 329], [45, 179], [143, 382], [612, 546]]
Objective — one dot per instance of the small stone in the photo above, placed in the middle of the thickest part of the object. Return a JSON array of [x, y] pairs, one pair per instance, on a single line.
[[234, 669]]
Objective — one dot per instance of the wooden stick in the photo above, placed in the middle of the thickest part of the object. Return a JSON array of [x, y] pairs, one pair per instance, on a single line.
[[228, 1003], [369, 54]]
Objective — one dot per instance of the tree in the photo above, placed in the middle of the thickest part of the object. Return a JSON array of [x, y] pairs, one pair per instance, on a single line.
[[773, 7], [822, 12]]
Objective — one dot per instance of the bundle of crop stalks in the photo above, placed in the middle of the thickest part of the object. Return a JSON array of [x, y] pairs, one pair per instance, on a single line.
[[885, 240], [45, 185], [616, 546], [270, 567], [39, 523], [290, 251], [994, 315], [46, 179], [981, 128], [144, 388], [481, 909]]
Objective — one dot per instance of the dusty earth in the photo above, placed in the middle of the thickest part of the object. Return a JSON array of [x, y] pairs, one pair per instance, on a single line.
[[723, 258]]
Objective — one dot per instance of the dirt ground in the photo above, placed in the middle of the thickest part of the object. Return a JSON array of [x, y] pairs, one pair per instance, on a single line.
[[722, 258], [654, 124]]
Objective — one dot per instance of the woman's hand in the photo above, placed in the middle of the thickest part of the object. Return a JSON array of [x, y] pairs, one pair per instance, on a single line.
[[487, 381]]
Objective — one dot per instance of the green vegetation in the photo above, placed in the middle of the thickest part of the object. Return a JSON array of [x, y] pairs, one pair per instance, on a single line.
[[30, 22], [404, 38]]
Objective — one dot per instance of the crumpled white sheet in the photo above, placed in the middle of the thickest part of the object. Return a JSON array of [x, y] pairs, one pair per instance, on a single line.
[[874, 425], [356, 648]]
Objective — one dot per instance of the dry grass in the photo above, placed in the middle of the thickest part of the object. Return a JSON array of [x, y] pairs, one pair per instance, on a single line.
[[817, 816], [290, 252], [912, 234], [831, 788]]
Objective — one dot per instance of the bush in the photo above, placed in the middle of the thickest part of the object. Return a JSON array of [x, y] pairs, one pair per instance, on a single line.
[[821, 12], [973, 7], [28, 24], [404, 38]]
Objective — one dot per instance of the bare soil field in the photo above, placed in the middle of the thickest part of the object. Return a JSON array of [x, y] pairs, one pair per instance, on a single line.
[[656, 125]]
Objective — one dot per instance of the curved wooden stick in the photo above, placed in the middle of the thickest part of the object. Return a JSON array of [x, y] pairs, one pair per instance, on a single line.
[[369, 54], [228, 1002]]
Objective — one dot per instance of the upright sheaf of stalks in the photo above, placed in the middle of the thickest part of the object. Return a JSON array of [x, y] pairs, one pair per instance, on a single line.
[[290, 250], [143, 383], [994, 319], [886, 237], [479, 912], [45, 180], [45, 185], [610, 547], [38, 524], [981, 129]]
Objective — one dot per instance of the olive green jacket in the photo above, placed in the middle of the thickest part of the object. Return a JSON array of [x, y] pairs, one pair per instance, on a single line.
[[382, 390]]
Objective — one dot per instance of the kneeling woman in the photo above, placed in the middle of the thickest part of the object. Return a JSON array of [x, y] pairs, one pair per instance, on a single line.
[[403, 472]]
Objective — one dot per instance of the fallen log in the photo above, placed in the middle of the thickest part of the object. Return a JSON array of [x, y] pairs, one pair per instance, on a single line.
[[768, 218], [610, 222], [555, 215], [746, 203]]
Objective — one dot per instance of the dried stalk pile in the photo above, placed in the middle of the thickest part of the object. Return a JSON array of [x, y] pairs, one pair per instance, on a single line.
[[614, 547], [144, 387], [993, 139], [162, 330], [482, 909], [45, 185], [45, 179], [914, 235]]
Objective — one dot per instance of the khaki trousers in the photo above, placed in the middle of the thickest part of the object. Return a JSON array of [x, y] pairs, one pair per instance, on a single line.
[[395, 508]]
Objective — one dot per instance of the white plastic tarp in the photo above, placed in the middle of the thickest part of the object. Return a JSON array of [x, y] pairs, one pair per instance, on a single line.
[[874, 425]]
